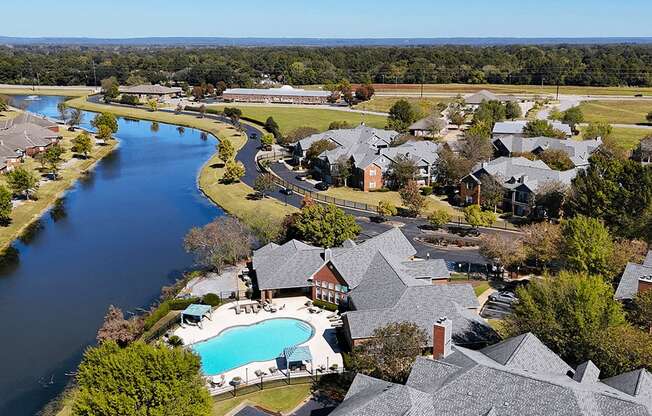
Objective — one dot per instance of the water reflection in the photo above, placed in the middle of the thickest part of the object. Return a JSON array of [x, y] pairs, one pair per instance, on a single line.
[[181, 130], [154, 128], [31, 232], [58, 210]]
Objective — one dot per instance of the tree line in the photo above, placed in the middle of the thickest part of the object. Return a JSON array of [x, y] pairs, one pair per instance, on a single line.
[[590, 65]]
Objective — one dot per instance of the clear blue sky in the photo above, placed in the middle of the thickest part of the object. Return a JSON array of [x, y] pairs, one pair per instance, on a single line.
[[327, 18]]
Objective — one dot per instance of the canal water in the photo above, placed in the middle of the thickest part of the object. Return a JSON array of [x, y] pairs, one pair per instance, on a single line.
[[116, 238]]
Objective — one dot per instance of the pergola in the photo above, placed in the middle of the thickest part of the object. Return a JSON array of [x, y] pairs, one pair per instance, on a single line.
[[297, 354], [197, 311]]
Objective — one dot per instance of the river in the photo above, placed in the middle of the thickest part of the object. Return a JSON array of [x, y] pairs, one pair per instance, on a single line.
[[115, 239]]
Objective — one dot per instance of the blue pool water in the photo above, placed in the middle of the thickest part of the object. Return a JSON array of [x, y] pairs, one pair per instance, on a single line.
[[241, 345]]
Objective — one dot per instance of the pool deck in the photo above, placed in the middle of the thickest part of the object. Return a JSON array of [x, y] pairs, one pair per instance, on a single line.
[[323, 344]]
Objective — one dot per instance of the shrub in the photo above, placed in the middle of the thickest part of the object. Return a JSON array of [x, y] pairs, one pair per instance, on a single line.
[[426, 190], [156, 315], [175, 341], [211, 299], [129, 99], [325, 305], [181, 304]]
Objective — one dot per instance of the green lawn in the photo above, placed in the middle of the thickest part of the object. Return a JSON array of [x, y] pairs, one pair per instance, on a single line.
[[280, 399], [383, 104], [289, 118], [617, 112], [481, 288], [65, 92], [629, 137]]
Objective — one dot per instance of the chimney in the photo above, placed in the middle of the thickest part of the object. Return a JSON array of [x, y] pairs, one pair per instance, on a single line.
[[441, 338], [328, 254], [644, 283], [587, 373]]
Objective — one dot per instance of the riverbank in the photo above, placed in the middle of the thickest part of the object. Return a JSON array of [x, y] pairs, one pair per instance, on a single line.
[[28, 212], [233, 198]]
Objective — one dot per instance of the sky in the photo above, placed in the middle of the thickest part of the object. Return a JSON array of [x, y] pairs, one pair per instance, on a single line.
[[327, 18]]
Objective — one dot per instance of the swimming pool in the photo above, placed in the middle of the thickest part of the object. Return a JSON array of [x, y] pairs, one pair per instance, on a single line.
[[241, 345]]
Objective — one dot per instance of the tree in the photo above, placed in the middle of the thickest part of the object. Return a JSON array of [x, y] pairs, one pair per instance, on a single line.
[[364, 92], [82, 143], [325, 226], [267, 141], [412, 199], [233, 171], [118, 329], [105, 119], [401, 116], [135, 79], [233, 113], [226, 150], [401, 171], [506, 250], [62, 109], [264, 183], [110, 88], [319, 147], [490, 112], [439, 218], [75, 118], [152, 104], [573, 116], [538, 128], [587, 245], [556, 159], [52, 158], [457, 117], [197, 92], [272, 126], [551, 198], [435, 126], [299, 133], [600, 129], [140, 379], [626, 251], [566, 313], [266, 228], [343, 169], [104, 133], [642, 312], [512, 110], [339, 125], [224, 241], [492, 192], [6, 205], [541, 242], [620, 349], [386, 209], [22, 181], [390, 352], [480, 129], [476, 149], [475, 217], [451, 168]]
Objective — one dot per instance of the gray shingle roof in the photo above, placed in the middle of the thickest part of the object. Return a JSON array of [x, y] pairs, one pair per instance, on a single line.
[[427, 123], [434, 268], [480, 96], [578, 151], [423, 305], [517, 126], [25, 135], [628, 286], [149, 89], [286, 91], [469, 383], [519, 171]]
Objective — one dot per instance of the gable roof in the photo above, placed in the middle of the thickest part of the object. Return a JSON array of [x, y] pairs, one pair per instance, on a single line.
[[350, 138], [423, 152], [25, 135], [470, 383], [578, 151], [146, 89], [480, 96], [427, 123]]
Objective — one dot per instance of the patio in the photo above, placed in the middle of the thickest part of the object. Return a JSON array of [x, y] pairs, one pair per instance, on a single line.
[[322, 346]]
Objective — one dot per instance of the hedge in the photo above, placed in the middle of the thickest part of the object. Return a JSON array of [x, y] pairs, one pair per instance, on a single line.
[[211, 299], [325, 305], [167, 306]]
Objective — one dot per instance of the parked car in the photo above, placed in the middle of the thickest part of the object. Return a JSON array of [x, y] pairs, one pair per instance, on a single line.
[[286, 191], [503, 297], [322, 186], [638, 95]]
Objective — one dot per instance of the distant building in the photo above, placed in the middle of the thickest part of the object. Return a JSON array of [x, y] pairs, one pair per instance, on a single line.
[[283, 95], [25, 136], [148, 92], [578, 151], [520, 177], [515, 128], [474, 100]]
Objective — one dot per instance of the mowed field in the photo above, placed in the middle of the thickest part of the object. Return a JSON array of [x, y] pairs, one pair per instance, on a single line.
[[290, 118], [383, 104], [629, 137], [617, 111]]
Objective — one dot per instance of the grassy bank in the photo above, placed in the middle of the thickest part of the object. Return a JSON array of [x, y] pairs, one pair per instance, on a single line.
[[28, 212], [629, 137], [234, 198], [615, 111], [290, 118], [64, 92]]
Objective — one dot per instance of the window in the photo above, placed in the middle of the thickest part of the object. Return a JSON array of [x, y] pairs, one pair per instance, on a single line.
[[331, 298], [331, 286], [372, 172], [318, 292], [469, 199]]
